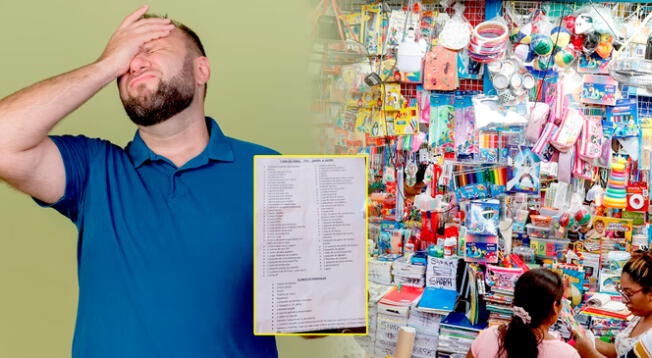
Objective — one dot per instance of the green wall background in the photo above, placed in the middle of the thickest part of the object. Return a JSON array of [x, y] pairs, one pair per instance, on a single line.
[[258, 92]]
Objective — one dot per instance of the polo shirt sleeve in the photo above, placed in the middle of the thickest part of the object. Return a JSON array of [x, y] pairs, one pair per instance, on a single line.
[[77, 153]]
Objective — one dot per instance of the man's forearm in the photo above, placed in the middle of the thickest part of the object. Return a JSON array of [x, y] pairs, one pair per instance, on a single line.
[[27, 116]]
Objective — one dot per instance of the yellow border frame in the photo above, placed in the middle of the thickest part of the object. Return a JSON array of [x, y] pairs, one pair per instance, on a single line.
[[366, 255]]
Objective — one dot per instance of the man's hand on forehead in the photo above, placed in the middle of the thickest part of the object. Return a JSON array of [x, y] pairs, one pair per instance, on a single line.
[[131, 37]]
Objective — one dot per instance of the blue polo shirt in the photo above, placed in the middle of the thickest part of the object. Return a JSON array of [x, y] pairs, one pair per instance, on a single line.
[[164, 253]]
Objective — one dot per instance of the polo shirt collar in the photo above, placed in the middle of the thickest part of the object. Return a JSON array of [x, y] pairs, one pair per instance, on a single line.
[[218, 148]]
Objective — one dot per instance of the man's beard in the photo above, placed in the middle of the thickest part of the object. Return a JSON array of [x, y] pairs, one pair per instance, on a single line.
[[170, 98]]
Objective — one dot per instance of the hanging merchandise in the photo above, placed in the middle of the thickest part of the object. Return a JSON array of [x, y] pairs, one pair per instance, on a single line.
[[590, 143], [400, 22], [440, 69], [638, 198], [371, 29], [456, 33], [615, 197], [511, 80], [498, 142], [410, 53], [442, 122], [489, 41], [622, 118], [599, 90], [464, 125], [524, 174], [568, 131]]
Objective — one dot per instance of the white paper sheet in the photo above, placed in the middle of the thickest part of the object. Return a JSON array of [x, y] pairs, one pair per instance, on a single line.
[[309, 243]]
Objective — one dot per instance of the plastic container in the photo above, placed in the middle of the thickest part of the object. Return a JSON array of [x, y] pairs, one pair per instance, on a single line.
[[526, 253], [549, 249], [449, 246], [541, 220], [537, 232]]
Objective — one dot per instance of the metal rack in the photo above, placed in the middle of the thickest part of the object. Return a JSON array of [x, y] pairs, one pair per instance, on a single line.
[[557, 8], [476, 12]]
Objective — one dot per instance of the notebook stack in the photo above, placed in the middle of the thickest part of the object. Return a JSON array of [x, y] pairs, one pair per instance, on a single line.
[[456, 333], [607, 306], [499, 305], [437, 300], [393, 310]]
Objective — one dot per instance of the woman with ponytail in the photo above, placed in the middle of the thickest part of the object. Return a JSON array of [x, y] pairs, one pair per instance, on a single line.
[[537, 303], [635, 287]]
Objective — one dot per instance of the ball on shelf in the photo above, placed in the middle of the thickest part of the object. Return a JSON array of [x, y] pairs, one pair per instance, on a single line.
[[521, 34], [604, 49], [522, 51], [563, 58], [541, 44], [564, 220], [568, 22], [560, 37]]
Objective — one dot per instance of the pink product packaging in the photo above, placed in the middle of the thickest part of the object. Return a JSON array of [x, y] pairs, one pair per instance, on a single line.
[[582, 169], [423, 101], [569, 130], [565, 166], [542, 147], [538, 117], [590, 143]]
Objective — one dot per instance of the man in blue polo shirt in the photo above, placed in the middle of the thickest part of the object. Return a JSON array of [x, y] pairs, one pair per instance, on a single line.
[[165, 225]]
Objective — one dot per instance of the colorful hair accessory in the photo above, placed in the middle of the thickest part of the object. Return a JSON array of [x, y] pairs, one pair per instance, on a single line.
[[488, 42], [521, 313]]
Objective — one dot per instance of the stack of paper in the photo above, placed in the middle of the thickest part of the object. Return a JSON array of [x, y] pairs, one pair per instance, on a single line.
[[615, 310], [407, 274], [387, 328], [393, 311], [376, 292], [607, 327], [427, 338], [607, 306], [380, 272], [456, 334], [367, 342]]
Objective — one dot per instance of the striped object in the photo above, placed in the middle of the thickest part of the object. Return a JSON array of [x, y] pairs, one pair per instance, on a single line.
[[616, 195]]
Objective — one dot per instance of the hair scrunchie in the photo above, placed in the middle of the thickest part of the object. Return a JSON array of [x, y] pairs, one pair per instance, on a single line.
[[521, 313]]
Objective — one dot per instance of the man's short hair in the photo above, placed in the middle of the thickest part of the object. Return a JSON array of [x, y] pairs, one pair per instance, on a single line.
[[193, 44], [192, 37]]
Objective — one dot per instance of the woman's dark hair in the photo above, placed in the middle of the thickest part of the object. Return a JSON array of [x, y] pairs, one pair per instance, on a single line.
[[536, 291], [639, 268]]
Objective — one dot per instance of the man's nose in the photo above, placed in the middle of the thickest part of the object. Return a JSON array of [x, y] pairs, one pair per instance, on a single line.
[[139, 63]]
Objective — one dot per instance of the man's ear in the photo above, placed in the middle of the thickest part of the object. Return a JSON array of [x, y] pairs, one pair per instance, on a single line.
[[202, 71]]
